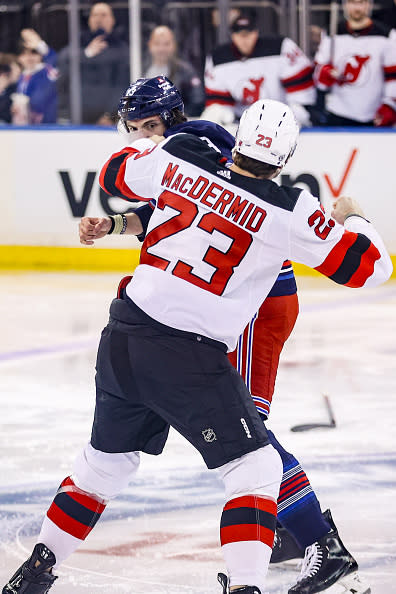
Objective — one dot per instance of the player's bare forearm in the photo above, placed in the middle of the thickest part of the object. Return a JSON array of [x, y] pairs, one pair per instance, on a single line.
[[93, 228], [134, 225]]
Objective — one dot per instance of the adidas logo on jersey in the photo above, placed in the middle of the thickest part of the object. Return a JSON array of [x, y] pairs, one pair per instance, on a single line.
[[224, 173]]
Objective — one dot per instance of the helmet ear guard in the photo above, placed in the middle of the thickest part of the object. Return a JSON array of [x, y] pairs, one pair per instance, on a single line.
[[150, 96], [268, 132]]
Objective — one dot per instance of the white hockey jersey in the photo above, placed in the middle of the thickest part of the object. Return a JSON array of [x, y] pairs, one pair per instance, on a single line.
[[366, 62], [216, 239], [277, 69]]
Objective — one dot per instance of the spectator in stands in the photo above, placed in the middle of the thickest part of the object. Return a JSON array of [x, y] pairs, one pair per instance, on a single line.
[[104, 60], [163, 60], [358, 68], [251, 67], [5, 98], [12, 61], [315, 37], [10, 72], [32, 40], [35, 100]]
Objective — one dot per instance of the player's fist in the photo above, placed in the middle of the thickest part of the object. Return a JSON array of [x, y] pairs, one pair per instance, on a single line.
[[92, 228], [344, 206], [385, 116], [326, 75]]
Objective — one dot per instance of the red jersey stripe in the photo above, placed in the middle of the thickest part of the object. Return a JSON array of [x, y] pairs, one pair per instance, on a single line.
[[334, 259], [365, 269], [305, 85], [121, 185], [106, 165], [224, 94], [296, 77]]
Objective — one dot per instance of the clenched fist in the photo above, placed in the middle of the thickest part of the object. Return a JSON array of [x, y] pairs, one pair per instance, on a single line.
[[92, 228], [343, 207]]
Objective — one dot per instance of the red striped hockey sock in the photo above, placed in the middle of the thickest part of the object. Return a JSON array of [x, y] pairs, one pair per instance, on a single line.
[[74, 511], [247, 535]]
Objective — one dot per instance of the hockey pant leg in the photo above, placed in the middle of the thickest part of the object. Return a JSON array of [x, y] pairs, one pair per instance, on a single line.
[[82, 497], [249, 517], [257, 354], [257, 359]]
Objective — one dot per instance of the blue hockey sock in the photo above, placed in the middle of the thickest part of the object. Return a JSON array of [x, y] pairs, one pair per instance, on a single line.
[[298, 507]]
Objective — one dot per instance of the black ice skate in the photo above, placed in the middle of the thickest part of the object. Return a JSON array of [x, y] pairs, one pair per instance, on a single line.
[[285, 547], [329, 566], [223, 579], [33, 576]]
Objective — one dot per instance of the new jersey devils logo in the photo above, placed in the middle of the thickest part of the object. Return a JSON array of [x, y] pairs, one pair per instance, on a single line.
[[251, 90], [352, 69]]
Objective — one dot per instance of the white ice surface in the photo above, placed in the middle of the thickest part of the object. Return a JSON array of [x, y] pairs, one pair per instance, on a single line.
[[161, 535]]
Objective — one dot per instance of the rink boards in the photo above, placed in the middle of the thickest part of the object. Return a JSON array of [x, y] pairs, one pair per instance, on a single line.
[[50, 180]]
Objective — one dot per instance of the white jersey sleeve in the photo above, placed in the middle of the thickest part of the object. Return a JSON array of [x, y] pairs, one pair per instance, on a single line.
[[217, 84], [129, 172], [353, 254], [322, 55], [296, 74]]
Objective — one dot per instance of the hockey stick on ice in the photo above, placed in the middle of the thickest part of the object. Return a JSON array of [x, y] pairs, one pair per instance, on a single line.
[[308, 426]]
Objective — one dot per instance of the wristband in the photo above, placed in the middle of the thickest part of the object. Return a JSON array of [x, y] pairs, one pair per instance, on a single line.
[[119, 223], [354, 214], [110, 231]]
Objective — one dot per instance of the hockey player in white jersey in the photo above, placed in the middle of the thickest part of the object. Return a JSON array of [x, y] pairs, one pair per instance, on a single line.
[[251, 67], [149, 107], [215, 243], [358, 69]]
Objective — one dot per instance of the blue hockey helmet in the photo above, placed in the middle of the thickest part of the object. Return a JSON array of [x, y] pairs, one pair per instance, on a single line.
[[150, 96]]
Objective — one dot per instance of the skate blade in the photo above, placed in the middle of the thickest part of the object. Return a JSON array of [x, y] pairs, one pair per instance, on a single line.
[[350, 584]]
